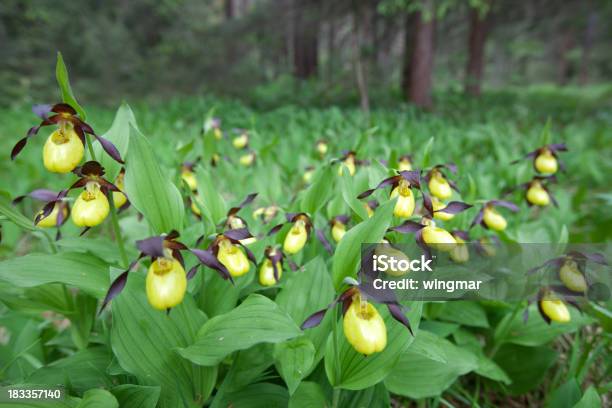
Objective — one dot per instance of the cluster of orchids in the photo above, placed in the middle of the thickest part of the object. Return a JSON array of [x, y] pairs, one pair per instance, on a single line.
[[570, 281], [546, 164], [63, 152]]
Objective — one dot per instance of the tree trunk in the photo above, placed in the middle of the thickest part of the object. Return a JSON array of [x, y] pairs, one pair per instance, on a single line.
[[421, 61], [306, 44], [359, 68], [564, 66], [587, 45], [230, 9], [409, 33], [475, 64]]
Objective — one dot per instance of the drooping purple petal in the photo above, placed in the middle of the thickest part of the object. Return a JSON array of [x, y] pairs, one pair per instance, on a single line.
[[248, 200], [115, 289], [418, 236], [505, 204], [427, 203], [527, 156], [275, 229], [461, 234], [192, 272], [153, 246], [477, 219], [455, 207], [314, 319], [408, 227], [323, 239], [237, 234], [593, 257], [558, 147], [396, 311], [366, 193], [452, 167], [109, 148], [42, 110], [207, 258], [43, 194]]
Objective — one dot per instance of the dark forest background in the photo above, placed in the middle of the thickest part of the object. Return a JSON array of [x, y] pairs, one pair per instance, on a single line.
[[269, 52]]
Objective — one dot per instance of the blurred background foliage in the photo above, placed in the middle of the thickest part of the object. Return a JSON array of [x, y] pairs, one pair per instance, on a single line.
[[302, 51]]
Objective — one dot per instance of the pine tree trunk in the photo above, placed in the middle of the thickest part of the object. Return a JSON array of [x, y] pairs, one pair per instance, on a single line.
[[306, 44], [476, 44]]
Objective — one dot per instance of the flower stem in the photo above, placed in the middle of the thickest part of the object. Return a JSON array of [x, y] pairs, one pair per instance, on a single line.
[[51, 242], [117, 231], [90, 147]]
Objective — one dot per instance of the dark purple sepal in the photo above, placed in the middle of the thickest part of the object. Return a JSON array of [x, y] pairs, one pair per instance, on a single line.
[[396, 311], [314, 319], [505, 204], [408, 227], [109, 148], [275, 229], [237, 234], [323, 240], [153, 246], [412, 176], [248, 200], [192, 272], [115, 289], [455, 207], [42, 110], [207, 258]]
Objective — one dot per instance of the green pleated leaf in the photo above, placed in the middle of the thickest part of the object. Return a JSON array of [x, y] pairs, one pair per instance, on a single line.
[[262, 395], [373, 397], [79, 372], [348, 253], [149, 189], [10, 212], [346, 368], [61, 74], [211, 202], [566, 396], [145, 340], [103, 248], [98, 398], [318, 192], [466, 313], [526, 366], [418, 376], [256, 320], [82, 271], [136, 396], [293, 361], [590, 399], [119, 135], [308, 395], [347, 188]]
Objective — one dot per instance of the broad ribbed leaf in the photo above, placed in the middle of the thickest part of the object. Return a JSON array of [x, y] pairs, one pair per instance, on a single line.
[[262, 395], [308, 395], [61, 74], [118, 135], [466, 313], [98, 398], [103, 248], [79, 372], [348, 253], [210, 200], [293, 360], [149, 189], [145, 340], [83, 271], [317, 194], [136, 396], [10, 211], [256, 320], [418, 376], [526, 366], [347, 189], [346, 368]]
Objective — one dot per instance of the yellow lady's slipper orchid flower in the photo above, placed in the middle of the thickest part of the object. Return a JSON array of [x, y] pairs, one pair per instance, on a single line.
[[50, 220], [307, 177], [119, 199], [296, 237], [459, 253], [338, 230], [384, 248], [493, 219], [91, 207], [233, 258], [63, 150], [571, 276], [364, 328], [240, 142], [266, 273], [368, 209], [537, 195], [166, 283], [487, 246], [189, 178], [439, 186], [218, 133], [322, 147], [404, 164], [247, 159], [437, 237], [545, 162], [438, 205], [555, 309], [349, 163], [404, 207]]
